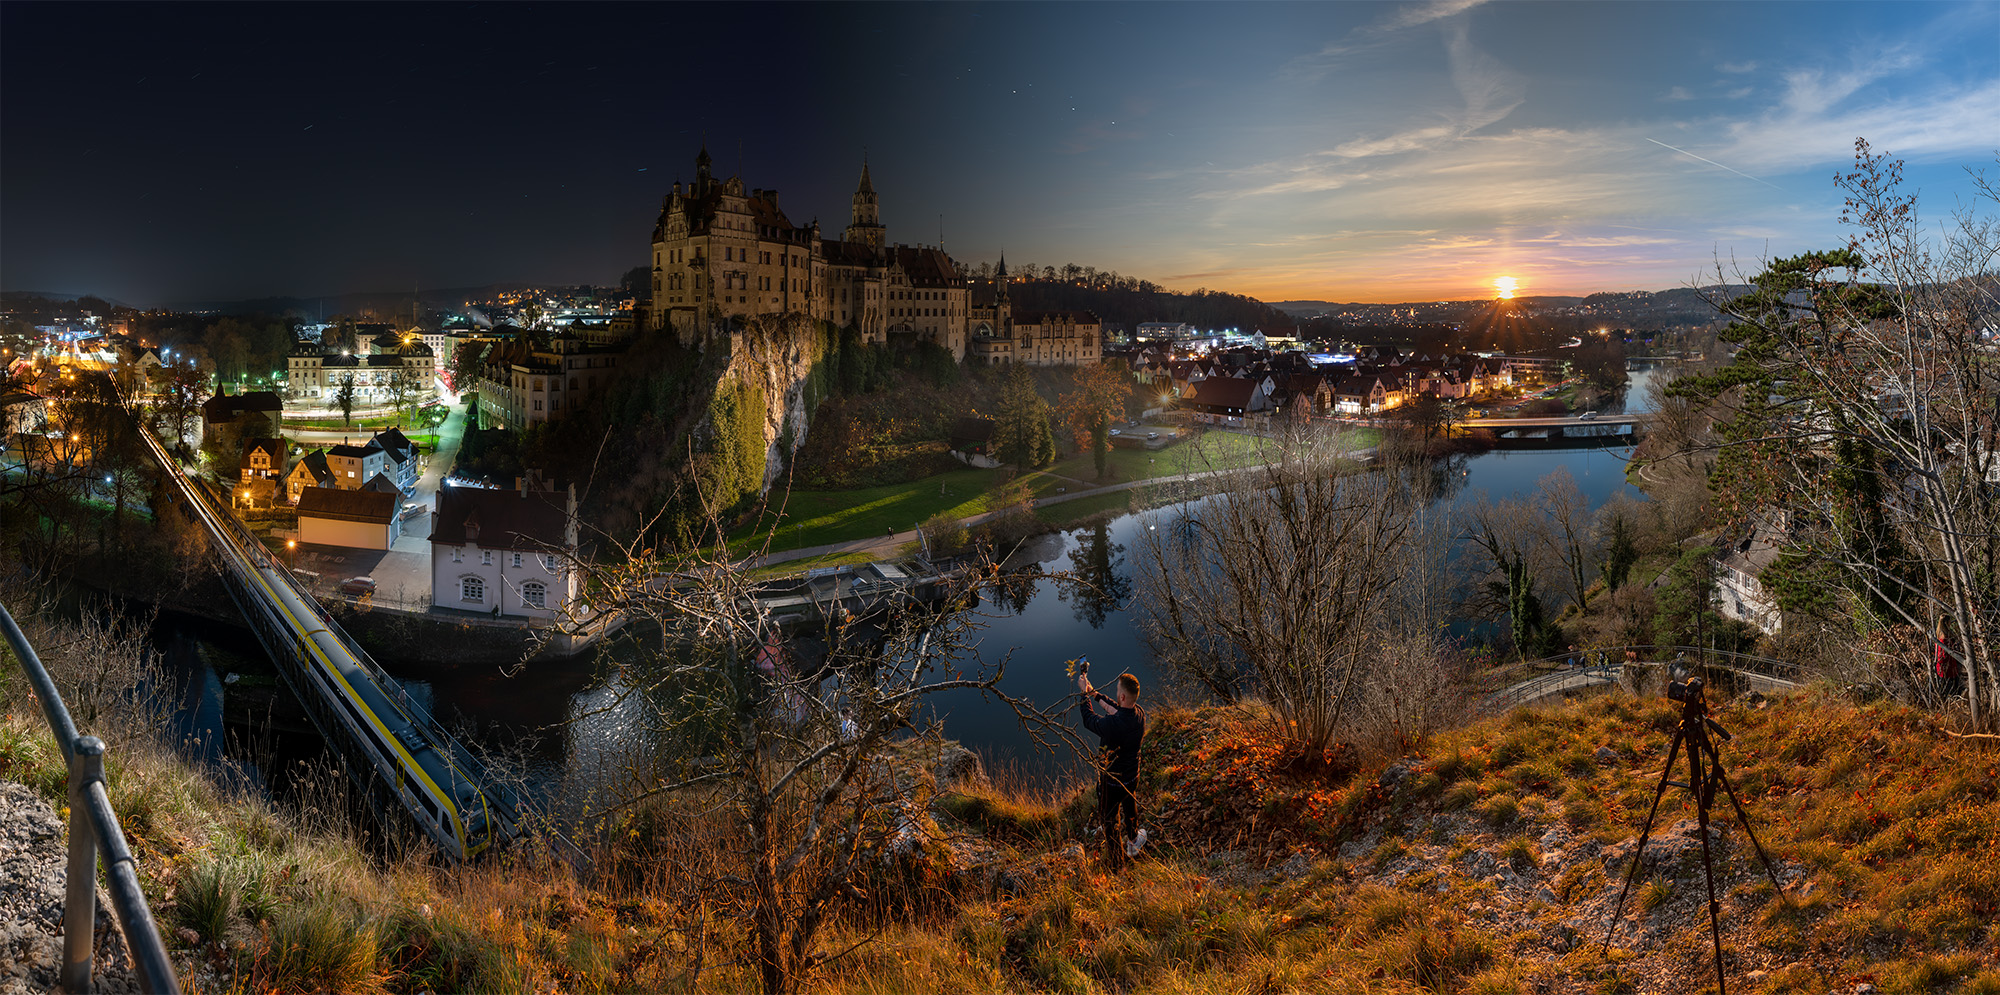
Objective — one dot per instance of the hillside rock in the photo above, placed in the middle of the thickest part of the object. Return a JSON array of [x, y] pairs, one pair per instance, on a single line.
[[33, 854]]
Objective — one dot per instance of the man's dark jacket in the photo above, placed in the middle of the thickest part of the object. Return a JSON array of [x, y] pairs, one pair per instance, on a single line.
[[1120, 732]]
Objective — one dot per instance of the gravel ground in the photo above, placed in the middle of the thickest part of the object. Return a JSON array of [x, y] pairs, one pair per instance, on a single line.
[[33, 854]]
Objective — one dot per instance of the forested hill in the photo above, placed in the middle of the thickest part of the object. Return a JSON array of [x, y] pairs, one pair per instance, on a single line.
[[1130, 306]]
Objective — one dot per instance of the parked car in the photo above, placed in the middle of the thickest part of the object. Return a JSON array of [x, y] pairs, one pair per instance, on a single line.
[[1115, 431], [1152, 435], [358, 586]]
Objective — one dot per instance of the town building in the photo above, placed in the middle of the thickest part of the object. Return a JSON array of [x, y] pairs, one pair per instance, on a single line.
[[260, 476], [354, 466], [358, 519], [310, 471], [256, 414], [997, 335], [524, 383], [1739, 588], [505, 552], [314, 371]]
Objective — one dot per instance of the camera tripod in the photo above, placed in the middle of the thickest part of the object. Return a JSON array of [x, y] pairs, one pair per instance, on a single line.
[[1705, 773]]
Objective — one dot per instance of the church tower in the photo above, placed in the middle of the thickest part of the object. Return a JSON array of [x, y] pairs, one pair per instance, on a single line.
[[866, 228]]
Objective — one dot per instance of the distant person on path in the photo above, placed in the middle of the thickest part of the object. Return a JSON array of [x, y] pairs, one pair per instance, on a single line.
[[1119, 726], [1945, 671]]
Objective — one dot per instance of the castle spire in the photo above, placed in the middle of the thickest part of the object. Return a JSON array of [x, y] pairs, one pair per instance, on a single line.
[[866, 226]]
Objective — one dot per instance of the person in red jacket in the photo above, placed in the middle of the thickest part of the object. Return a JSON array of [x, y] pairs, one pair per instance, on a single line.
[[1119, 724]]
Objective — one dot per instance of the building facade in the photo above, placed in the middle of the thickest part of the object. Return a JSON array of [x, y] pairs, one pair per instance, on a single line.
[[725, 252], [504, 552]]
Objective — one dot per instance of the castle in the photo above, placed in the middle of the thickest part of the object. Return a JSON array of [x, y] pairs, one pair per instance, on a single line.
[[725, 253]]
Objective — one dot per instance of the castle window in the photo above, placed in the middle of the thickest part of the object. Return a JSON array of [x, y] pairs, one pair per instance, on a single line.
[[533, 594], [472, 589]]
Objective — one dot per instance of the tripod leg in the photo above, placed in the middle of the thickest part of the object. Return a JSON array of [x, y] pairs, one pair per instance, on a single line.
[[1701, 796], [1744, 817], [1673, 752]]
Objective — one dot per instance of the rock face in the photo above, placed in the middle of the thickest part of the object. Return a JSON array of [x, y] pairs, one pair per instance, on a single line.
[[782, 360], [34, 850]]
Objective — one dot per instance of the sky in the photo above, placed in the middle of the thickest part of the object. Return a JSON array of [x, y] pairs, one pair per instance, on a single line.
[[164, 153]]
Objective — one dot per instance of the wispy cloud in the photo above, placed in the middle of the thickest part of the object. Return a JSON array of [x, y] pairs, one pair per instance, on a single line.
[[1737, 68], [1677, 94], [1400, 17]]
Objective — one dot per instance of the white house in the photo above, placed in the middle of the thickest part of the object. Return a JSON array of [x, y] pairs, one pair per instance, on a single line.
[[329, 516], [1739, 591], [504, 552]]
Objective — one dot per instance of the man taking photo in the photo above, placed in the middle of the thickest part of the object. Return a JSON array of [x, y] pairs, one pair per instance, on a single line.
[[1119, 724]]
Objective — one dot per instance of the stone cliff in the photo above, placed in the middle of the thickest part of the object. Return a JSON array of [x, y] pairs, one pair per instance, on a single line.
[[774, 373]]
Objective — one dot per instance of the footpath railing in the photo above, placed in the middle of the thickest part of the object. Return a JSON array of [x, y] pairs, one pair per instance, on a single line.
[[1600, 665], [92, 824]]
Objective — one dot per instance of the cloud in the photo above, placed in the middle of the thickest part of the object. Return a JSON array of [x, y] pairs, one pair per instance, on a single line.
[[1677, 94], [1737, 67], [1400, 18]]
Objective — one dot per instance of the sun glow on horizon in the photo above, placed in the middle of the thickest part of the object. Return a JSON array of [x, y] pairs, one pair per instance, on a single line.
[[1504, 287]]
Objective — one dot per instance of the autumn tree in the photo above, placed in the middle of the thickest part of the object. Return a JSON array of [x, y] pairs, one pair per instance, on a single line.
[[1100, 395]]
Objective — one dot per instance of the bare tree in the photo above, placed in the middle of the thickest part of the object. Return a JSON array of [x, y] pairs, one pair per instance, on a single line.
[[1861, 422], [812, 772], [1564, 529], [1274, 584]]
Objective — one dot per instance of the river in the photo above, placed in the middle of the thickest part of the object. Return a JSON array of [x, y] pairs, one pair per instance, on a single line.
[[569, 722]]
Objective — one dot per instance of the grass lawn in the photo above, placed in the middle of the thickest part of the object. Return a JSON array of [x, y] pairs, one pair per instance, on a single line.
[[1069, 512], [793, 568], [816, 518]]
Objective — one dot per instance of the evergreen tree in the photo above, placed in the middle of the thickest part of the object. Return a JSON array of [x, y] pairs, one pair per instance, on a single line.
[[1022, 435], [343, 397], [1620, 553], [1686, 605]]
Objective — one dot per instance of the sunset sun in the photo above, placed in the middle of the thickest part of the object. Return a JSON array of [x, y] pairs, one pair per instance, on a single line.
[[1503, 287]]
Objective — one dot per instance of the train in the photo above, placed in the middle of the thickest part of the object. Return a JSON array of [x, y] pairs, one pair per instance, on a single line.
[[427, 771], [444, 789]]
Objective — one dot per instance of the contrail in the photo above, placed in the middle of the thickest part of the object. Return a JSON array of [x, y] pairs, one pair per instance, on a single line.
[[1717, 165]]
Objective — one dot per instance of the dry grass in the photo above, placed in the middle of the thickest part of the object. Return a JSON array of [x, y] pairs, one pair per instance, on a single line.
[[1477, 865]]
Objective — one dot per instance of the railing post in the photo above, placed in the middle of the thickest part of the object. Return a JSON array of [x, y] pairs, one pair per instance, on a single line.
[[86, 767]]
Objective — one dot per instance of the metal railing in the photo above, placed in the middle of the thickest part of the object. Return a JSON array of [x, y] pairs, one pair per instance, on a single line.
[[1598, 665], [92, 824]]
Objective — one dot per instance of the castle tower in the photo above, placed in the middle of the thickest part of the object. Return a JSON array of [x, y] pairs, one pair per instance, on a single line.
[[701, 177], [866, 227]]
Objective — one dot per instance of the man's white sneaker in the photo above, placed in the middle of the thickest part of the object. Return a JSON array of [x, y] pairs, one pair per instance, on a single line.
[[1136, 844]]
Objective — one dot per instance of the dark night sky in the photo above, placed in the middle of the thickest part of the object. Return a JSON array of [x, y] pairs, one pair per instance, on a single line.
[[160, 153]]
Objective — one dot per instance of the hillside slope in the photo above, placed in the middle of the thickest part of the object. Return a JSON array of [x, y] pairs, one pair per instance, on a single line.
[[1485, 861]]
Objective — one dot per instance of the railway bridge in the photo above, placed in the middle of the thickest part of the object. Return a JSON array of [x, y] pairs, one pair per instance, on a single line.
[[404, 761]]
